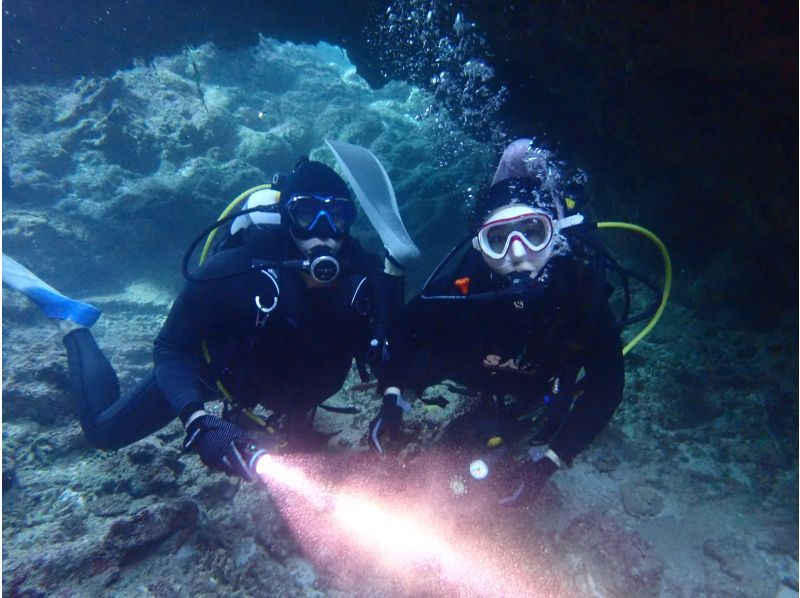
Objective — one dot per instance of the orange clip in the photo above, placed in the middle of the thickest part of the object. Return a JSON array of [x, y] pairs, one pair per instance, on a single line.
[[463, 285]]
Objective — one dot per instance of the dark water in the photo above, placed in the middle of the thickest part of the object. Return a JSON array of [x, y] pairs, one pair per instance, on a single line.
[[127, 128]]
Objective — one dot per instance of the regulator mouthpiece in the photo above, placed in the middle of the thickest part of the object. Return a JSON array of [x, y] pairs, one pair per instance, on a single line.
[[324, 268]]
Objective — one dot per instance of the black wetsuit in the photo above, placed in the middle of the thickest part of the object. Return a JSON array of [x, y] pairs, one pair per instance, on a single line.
[[288, 349], [532, 350]]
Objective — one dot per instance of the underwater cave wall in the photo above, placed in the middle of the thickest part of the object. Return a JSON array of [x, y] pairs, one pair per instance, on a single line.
[[683, 113]]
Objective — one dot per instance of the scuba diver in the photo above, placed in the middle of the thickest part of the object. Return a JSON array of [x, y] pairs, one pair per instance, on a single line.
[[283, 302], [523, 322]]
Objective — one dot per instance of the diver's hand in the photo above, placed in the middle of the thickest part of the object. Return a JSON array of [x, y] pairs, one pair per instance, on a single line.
[[220, 444], [389, 418], [392, 266], [523, 483]]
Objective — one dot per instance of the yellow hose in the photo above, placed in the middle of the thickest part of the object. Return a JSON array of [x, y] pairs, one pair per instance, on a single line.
[[225, 212], [667, 277]]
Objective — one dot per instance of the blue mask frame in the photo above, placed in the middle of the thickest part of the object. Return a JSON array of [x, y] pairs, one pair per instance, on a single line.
[[332, 216]]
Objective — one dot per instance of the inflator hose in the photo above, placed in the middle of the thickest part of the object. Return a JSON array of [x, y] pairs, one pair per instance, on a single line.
[[667, 277]]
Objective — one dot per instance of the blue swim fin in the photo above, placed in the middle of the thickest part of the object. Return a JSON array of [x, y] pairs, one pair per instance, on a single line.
[[53, 304]]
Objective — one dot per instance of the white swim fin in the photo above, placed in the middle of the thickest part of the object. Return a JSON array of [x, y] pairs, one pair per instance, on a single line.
[[375, 193], [53, 304]]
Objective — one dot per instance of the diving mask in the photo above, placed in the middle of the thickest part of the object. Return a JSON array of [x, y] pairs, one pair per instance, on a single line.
[[519, 238], [321, 216], [533, 229]]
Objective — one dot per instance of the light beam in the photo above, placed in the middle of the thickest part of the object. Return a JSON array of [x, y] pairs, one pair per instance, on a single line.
[[406, 541]]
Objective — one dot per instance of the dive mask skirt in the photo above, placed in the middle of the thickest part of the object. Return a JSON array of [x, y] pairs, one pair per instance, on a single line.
[[533, 229], [307, 212]]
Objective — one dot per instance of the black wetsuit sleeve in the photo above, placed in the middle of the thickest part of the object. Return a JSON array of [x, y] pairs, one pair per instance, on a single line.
[[440, 333], [194, 315], [602, 393], [426, 343], [388, 303], [387, 324], [203, 311]]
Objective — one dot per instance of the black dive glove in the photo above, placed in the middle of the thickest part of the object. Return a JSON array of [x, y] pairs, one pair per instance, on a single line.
[[221, 445], [389, 419], [522, 484]]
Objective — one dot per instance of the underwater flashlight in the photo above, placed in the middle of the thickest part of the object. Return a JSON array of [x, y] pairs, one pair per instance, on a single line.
[[478, 469], [259, 462]]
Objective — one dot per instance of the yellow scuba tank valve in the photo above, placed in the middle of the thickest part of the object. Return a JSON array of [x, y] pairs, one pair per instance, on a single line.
[[667, 277]]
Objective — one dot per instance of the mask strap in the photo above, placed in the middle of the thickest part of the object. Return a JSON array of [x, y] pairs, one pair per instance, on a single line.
[[573, 220]]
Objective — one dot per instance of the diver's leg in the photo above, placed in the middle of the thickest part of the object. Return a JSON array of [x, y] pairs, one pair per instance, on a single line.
[[94, 382], [108, 420], [133, 417]]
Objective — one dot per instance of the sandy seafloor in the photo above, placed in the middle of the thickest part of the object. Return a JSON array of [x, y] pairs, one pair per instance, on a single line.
[[691, 491]]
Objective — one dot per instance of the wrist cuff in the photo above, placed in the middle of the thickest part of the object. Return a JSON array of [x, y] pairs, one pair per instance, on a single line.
[[392, 267], [393, 396], [188, 410], [554, 458]]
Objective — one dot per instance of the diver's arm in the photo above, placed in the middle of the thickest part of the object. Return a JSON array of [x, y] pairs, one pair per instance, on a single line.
[[203, 311], [389, 295], [602, 394], [431, 343], [386, 289], [387, 327], [190, 319], [391, 267]]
